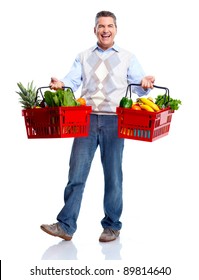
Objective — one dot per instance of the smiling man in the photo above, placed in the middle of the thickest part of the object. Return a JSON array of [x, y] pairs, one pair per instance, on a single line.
[[104, 71], [105, 29]]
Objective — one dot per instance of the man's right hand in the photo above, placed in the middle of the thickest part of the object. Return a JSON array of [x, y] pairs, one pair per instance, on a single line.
[[55, 83]]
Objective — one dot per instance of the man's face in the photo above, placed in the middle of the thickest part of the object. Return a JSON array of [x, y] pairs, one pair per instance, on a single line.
[[105, 30]]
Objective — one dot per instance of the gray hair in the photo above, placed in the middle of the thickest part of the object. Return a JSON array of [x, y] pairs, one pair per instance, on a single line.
[[105, 14]]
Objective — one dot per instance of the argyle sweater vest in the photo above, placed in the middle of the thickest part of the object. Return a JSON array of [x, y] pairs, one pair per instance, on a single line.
[[104, 79]]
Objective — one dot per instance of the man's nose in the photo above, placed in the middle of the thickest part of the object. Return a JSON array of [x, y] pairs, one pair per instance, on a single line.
[[106, 29]]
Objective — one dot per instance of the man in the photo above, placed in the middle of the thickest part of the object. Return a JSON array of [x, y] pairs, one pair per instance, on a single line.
[[104, 71]]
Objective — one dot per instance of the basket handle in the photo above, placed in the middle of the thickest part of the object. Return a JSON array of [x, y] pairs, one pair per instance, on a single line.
[[39, 90], [165, 88]]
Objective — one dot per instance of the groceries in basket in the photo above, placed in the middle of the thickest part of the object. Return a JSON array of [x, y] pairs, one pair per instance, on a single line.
[[146, 118], [53, 114]]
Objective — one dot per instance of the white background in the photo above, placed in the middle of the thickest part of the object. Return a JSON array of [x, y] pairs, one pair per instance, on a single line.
[[40, 39]]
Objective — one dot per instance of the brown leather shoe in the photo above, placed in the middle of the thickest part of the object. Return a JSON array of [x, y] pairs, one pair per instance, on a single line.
[[109, 234], [56, 230]]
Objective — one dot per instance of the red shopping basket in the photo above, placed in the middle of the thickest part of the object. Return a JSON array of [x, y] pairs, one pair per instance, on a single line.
[[57, 122], [144, 125]]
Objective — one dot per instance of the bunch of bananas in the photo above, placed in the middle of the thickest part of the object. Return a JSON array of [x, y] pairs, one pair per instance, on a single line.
[[147, 104]]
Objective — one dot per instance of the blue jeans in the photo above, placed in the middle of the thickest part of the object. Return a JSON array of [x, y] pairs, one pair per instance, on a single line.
[[103, 133]]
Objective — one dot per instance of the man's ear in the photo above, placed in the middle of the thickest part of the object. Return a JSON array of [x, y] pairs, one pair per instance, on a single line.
[[95, 30]]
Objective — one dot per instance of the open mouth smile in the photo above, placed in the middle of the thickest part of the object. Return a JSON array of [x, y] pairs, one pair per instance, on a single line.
[[105, 36]]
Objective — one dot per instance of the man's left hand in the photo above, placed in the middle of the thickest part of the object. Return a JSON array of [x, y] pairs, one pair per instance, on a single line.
[[148, 82]]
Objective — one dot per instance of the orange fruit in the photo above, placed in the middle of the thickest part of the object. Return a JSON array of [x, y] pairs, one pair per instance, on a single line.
[[82, 101], [136, 106]]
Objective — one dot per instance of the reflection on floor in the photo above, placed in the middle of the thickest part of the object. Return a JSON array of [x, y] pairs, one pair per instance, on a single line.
[[66, 250]]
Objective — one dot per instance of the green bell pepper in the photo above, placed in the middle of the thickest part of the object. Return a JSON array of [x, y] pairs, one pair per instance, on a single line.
[[126, 102]]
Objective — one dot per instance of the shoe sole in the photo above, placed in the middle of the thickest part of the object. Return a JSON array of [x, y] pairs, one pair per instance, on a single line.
[[105, 240], [61, 236]]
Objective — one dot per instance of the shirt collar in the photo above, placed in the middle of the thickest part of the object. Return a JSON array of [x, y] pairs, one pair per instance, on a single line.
[[114, 47]]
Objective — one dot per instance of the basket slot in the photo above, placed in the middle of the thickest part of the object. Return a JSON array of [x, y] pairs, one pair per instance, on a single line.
[[162, 131]]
